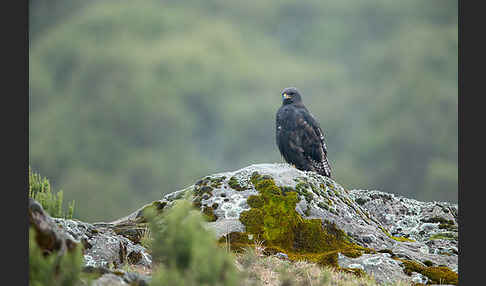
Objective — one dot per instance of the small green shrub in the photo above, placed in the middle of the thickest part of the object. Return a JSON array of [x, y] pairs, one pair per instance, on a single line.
[[186, 252], [40, 190], [48, 269]]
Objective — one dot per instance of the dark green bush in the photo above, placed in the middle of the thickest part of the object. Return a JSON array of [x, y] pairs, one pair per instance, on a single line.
[[40, 190], [186, 251]]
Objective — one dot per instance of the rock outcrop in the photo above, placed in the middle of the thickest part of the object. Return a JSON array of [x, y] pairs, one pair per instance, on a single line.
[[299, 215], [104, 250]]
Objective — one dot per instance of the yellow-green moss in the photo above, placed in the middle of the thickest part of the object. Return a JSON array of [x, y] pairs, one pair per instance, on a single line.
[[392, 255], [428, 263], [253, 220], [233, 183], [302, 188], [159, 205], [444, 235], [203, 189], [307, 212], [255, 201], [352, 253], [360, 201], [356, 271], [217, 181], [443, 223], [323, 205], [397, 238], [328, 207], [436, 274], [438, 219], [274, 220], [451, 227], [206, 185]]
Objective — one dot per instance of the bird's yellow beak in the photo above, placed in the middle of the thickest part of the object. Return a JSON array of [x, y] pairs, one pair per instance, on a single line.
[[285, 96]]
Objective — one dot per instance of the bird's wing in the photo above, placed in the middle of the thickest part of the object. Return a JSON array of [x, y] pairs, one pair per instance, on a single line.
[[319, 133], [314, 143], [289, 137]]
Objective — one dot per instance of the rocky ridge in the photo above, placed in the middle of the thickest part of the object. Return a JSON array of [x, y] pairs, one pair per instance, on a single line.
[[384, 235]]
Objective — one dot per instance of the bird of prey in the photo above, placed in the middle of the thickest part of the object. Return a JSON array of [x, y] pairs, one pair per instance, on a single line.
[[300, 139]]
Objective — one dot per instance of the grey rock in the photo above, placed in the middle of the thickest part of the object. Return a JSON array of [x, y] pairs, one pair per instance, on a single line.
[[109, 280], [132, 278], [224, 226], [51, 237], [103, 247], [410, 218], [361, 214], [381, 266], [419, 278], [372, 219]]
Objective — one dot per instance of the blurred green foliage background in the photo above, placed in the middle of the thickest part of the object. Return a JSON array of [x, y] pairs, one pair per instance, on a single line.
[[129, 100]]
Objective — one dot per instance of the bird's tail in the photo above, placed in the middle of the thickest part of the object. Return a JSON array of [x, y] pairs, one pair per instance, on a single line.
[[323, 167], [326, 167]]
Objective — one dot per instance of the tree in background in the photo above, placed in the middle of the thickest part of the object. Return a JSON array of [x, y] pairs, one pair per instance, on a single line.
[[129, 101]]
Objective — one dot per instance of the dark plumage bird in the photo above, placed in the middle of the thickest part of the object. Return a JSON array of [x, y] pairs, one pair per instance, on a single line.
[[299, 136]]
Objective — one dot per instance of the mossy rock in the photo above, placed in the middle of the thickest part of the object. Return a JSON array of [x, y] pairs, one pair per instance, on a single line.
[[273, 219], [255, 201], [444, 235], [436, 274], [233, 183], [310, 217], [397, 238]]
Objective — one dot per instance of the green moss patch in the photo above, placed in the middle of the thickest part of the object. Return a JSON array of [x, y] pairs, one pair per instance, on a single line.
[[207, 185], [302, 188], [443, 223], [445, 235], [361, 201], [159, 205], [233, 183], [274, 220], [436, 274], [397, 238], [438, 219], [255, 201], [428, 263], [387, 251], [217, 182], [203, 189]]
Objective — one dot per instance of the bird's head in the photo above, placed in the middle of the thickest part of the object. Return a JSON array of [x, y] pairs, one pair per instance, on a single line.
[[291, 95]]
